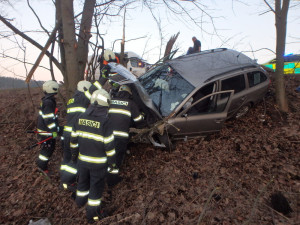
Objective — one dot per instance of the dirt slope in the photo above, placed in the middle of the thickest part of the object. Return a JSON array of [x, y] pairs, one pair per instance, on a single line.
[[224, 179]]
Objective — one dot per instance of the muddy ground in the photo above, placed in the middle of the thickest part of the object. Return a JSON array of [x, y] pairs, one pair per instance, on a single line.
[[226, 178]]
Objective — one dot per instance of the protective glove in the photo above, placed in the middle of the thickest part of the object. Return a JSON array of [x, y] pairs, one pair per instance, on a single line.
[[54, 135], [113, 169], [105, 72]]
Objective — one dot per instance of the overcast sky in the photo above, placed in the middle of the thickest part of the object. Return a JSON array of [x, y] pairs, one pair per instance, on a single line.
[[240, 26]]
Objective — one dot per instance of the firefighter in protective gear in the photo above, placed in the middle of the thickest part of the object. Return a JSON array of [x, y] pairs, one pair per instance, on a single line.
[[75, 107], [47, 123], [122, 112], [109, 56], [92, 143]]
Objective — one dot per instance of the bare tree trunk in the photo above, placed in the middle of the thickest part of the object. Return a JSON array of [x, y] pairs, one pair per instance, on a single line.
[[123, 41], [70, 46], [85, 35], [281, 20], [60, 41]]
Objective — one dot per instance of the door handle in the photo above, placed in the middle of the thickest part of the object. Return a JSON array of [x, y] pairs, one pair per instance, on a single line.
[[218, 120]]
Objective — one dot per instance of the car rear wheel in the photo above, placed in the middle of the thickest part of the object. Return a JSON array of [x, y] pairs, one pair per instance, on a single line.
[[243, 111]]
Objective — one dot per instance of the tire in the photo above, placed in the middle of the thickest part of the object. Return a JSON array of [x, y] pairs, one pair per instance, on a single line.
[[166, 140], [242, 111]]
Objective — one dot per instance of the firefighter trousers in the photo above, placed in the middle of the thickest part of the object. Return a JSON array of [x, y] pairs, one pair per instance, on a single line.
[[66, 150], [121, 147], [90, 188], [47, 149]]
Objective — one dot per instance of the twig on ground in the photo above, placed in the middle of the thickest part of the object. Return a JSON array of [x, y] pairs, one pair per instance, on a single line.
[[206, 205], [278, 213], [256, 201]]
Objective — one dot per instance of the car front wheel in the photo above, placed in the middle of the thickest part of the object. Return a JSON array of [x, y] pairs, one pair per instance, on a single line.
[[242, 111]]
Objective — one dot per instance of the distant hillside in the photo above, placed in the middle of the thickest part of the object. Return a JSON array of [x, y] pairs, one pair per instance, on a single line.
[[12, 83]]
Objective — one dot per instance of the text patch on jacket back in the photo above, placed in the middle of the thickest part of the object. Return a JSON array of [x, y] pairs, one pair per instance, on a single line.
[[118, 102], [89, 123]]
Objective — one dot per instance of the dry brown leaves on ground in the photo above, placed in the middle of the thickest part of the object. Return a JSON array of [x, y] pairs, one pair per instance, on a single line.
[[226, 178]]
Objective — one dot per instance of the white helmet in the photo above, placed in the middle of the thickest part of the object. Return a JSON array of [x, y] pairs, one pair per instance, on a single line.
[[100, 97], [50, 87], [109, 55], [125, 88], [83, 85]]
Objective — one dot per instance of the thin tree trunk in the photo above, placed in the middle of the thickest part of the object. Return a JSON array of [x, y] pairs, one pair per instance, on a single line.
[[39, 59], [85, 35], [60, 41], [123, 41], [281, 20], [29, 39], [70, 46]]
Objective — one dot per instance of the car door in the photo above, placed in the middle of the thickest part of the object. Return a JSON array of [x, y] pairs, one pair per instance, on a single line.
[[189, 122], [238, 84]]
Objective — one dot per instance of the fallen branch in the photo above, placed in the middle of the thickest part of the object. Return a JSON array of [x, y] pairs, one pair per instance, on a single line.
[[206, 205], [39, 59], [255, 202]]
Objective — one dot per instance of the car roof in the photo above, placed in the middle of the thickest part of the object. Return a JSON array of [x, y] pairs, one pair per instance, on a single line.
[[198, 67]]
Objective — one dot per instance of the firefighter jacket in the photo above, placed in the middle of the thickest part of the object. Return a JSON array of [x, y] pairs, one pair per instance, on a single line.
[[96, 86], [75, 107], [106, 73], [92, 138], [48, 118], [122, 112]]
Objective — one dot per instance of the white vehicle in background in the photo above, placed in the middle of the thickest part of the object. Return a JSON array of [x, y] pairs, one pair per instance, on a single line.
[[135, 64]]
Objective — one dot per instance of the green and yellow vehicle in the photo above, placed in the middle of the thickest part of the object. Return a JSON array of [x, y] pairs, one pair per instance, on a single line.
[[291, 64]]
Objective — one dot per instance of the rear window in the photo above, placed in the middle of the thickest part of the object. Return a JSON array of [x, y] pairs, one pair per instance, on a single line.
[[236, 83], [256, 78]]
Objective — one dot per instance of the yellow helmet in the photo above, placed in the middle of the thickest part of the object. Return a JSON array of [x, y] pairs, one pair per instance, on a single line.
[[83, 85], [100, 97], [125, 88], [50, 87], [109, 55]]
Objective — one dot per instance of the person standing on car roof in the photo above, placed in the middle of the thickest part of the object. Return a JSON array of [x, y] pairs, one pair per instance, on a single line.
[[122, 112], [92, 145], [196, 48], [75, 107], [47, 124]]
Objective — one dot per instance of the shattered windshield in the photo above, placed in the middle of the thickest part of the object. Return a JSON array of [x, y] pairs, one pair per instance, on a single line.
[[166, 87]]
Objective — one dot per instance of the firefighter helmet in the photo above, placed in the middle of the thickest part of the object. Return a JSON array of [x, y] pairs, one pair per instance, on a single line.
[[125, 88], [83, 85], [100, 97], [109, 55], [50, 87]]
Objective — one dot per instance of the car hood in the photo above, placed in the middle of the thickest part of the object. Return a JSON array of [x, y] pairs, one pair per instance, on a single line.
[[126, 77]]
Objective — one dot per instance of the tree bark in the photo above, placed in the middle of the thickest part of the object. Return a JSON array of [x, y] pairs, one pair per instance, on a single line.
[[85, 35], [70, 46], [123, 41], [58, 18], [281, 20]]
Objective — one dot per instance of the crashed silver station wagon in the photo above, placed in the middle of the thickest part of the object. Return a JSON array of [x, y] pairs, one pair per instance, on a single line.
[[192, 95]]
